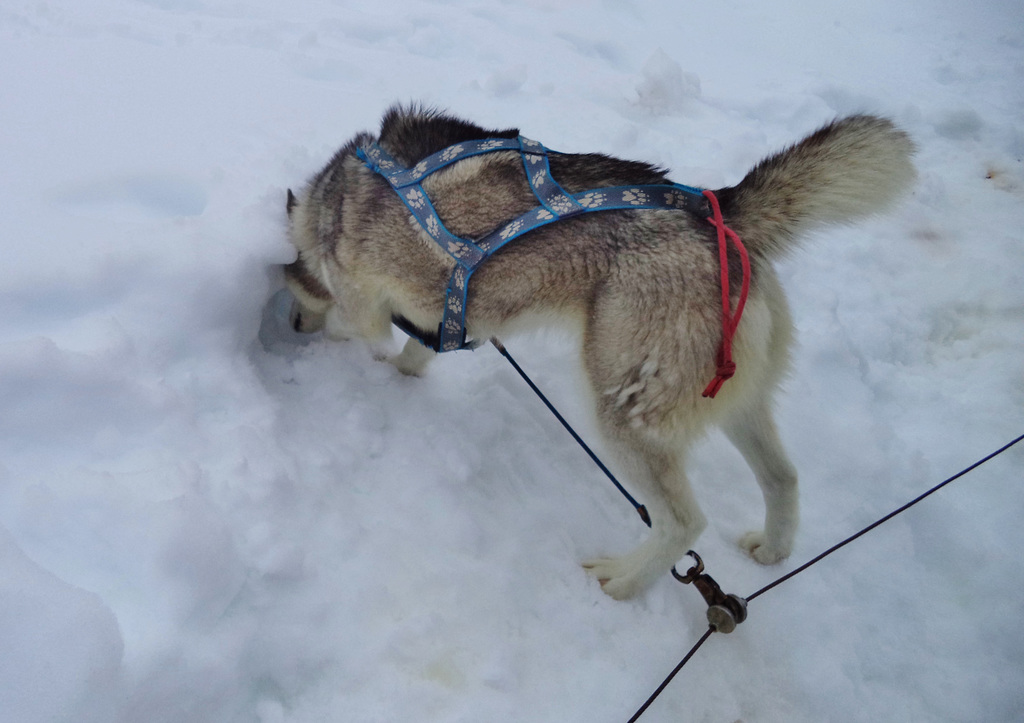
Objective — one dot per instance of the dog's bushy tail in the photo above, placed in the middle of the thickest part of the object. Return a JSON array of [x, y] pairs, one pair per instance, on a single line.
[[849, 169]]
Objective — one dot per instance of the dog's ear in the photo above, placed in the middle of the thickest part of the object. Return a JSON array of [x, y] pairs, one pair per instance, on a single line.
[[291, 203]]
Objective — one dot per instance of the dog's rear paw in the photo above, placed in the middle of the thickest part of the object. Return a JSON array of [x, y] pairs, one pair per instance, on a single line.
[[754, 544], [617, 579]]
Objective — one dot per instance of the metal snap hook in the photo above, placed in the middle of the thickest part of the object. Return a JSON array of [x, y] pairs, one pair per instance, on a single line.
[[725, 611], [693, 572]]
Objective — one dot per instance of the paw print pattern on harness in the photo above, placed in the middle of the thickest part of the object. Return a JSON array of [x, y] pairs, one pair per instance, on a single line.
[[511, 229], [420, 169], [635, 197], [675, 200], [450, 153], [562, 205], [416, 198], [555, 204], [458, 249]]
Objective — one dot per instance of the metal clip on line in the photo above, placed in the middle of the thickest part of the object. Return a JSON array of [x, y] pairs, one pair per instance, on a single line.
[[725, 612]]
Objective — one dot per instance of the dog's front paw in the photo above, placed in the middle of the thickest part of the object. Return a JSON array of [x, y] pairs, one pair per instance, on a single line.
[[413, 359], [755, 545], [408, 367], [617, 578]]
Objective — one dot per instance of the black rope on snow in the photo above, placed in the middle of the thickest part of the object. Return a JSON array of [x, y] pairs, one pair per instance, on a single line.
[[640, 509], [888, 517], [684, 661], [823, 555]]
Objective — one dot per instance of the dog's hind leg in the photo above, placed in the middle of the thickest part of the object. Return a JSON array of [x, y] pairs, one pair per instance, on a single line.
[[676, 518], [752, 430], [639, 355]]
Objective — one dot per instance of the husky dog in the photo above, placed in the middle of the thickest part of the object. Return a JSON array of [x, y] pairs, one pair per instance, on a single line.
[[642, 288]]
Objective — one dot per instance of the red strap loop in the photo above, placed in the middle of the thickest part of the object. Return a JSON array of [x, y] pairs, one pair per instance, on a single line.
[[725, 366]]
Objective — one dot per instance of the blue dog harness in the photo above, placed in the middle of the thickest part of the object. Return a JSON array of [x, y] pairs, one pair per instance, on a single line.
[[555, 204]]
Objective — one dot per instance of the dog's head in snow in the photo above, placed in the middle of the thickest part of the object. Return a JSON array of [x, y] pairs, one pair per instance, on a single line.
[[315, 220], [312, 298]]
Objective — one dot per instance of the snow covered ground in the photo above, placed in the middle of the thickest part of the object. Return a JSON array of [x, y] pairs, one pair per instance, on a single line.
[[195, 526]]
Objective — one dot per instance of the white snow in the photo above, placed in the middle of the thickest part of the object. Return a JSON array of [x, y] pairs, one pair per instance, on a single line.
[[197, 526]]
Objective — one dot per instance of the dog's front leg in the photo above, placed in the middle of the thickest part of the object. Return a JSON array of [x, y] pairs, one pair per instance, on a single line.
[[338, 327], [414, 358], [357, 317]]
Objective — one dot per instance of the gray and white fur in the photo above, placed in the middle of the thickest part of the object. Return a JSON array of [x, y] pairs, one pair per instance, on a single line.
[[641, 289]]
